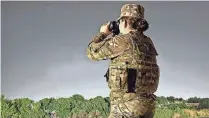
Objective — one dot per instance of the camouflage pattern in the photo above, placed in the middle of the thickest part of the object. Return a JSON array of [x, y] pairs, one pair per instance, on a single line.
[[128, 51], [132, 10]]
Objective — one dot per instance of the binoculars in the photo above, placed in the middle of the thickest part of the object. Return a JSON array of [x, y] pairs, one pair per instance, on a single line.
[[114, 27], [140, 25]]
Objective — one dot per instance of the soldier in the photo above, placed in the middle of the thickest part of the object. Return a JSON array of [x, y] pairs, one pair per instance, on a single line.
[[133, 73]]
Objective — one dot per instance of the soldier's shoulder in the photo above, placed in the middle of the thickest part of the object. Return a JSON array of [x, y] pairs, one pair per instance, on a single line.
[[122, 37], [146, 37]]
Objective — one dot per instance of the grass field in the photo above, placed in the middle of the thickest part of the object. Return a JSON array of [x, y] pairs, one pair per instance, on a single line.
[[181, 113]]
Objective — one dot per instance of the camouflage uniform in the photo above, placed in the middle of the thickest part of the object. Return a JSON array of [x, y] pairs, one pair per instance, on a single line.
[[133, 73]]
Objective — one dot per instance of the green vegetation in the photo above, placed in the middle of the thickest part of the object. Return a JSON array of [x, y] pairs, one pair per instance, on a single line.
[[79, 107]]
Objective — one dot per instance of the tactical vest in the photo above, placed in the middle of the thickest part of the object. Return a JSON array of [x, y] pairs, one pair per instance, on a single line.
[[136, 70]]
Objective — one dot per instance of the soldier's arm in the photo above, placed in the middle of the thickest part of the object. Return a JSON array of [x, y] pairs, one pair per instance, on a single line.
[[102, 49]]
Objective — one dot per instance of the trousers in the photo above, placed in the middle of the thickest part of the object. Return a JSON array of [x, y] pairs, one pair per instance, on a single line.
[[148, 114], [130, 109]]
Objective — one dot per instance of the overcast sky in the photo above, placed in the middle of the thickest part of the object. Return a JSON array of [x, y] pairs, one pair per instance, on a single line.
[[44, 45]]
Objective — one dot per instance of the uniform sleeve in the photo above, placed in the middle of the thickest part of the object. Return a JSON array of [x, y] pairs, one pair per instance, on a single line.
[[103, 49]]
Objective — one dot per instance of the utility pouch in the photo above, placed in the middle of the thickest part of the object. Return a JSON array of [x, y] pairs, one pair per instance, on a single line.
[[117, 78], [131, 81]]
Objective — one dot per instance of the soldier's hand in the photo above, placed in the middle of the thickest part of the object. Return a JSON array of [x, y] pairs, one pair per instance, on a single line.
[[104, 28]]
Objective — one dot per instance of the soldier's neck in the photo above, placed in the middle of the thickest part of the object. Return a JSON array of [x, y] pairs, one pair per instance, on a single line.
[[128, 31]]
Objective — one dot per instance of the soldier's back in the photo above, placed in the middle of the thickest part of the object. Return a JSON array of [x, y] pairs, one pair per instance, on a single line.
[[134, 75]]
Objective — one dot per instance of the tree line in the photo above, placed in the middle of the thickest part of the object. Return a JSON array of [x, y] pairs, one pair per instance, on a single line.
[[77, 106]]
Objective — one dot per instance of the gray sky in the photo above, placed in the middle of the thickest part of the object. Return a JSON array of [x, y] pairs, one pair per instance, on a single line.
[[44, 44]]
